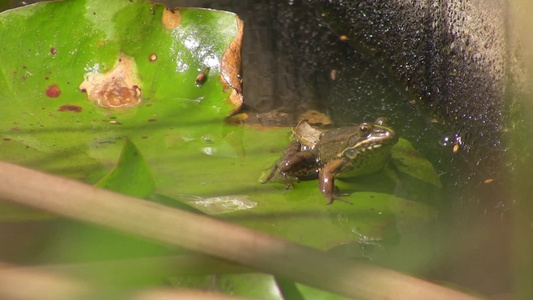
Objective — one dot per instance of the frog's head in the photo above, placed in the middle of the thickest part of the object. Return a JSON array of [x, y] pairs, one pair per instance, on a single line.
[[372, 141]]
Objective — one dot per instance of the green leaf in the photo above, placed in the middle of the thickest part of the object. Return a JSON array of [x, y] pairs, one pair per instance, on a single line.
[[250, 285], [49, 124], [46, 67], [48, 60], [131, 176], [410, 162]]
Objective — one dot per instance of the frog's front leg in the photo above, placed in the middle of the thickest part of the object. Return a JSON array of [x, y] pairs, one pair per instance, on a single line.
[[326, 179]]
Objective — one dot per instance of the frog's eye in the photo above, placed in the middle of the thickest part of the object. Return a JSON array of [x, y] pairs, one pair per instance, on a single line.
[[365, 128], [382, 121]]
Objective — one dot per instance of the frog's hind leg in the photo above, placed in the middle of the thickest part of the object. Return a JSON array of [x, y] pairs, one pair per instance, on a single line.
[[275, 174], [271, 174], [293, 165], [297, 165], [276, 169], [288, 179]]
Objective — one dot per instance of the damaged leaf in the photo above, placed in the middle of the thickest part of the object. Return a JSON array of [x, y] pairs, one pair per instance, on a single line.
[[117, 88], [120, 55], [231, 67], [171, 18], [118, 69]]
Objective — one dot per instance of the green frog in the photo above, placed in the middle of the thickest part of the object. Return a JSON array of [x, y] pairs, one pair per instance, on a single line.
[[338, 153]]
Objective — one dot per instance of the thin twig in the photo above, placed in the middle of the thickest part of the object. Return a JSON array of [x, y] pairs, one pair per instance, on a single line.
[[207, 235]]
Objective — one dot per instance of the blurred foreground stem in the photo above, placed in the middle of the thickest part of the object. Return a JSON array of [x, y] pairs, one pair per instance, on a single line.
[[207, 235]]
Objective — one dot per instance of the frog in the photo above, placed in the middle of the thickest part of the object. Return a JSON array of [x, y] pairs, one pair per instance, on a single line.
[[342, 152]]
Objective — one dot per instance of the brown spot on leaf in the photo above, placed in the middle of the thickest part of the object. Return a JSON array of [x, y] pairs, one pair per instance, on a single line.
[[152, 120], [70, 107], [171, 18], [202, 77], [118, 88], [152, 57], [53, 51], [7, 139], [230, 67], [53, 91]]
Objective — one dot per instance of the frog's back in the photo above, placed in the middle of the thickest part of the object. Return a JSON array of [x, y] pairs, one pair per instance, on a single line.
[[333, 142]]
